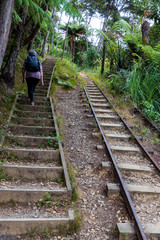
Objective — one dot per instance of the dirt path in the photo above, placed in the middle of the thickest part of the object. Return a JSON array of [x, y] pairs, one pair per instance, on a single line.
[[100, 213]]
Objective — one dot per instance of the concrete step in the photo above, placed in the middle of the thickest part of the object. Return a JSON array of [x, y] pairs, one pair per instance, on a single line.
[[36, 102], [128, 167], [40, 94], [47, 78], [113, 189], [36, 98], [23, 195], [30, 141], [33, 172], [33, 153], [33, 114], [32, 121], [124, 149], [40, 87], [128, 230], [32, 130], [33, 108], [16, 226], [41, 91], [47, 72]]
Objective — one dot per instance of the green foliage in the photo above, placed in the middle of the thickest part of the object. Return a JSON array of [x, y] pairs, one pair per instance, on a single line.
[[12, 202], [66, 74], [144, 131], [150, 111], [151, 55], [13, 140], [33, 9], [90, 58], [60, 180], [143, 83], [156, 141], [66, 84], [77, 222], [57, 138], [2, 173], [45, 201], [117, 82], [1, 132], [154, 34], [122, 26]]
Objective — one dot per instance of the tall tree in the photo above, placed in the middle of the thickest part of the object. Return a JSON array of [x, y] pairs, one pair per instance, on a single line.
[[6, 10], [22, 11], [64, 46], [145, 32], [74, 31], [8, 73]]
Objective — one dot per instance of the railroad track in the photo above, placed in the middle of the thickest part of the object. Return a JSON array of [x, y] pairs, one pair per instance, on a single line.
[[34, 178], [138, 177]]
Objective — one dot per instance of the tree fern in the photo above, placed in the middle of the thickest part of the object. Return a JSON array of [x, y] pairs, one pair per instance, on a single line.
[[122, 26]]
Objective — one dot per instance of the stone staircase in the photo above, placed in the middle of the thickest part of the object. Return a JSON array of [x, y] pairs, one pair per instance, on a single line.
[[35, 185]]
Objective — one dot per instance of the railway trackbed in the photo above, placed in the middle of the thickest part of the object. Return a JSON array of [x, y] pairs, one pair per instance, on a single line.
[[137, 173], [145, 118], [35, 188]]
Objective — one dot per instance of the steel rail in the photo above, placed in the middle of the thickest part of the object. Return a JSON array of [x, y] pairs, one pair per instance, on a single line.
[[138, 228], [147, 119], [148, 156]]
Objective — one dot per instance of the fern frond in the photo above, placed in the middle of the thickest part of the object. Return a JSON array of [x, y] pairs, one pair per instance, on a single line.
[[157, 47], [151, 54], [122, 26], [16, 16], [19, 2]]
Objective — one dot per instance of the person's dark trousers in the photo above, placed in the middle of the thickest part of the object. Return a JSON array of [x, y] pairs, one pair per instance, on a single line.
[[31, 83]]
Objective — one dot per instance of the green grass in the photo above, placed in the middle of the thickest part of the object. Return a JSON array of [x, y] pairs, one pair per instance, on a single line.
[[143, 86], [65, 75]]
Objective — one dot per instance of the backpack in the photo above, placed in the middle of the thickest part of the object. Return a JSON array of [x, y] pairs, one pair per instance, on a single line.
[[32, 64]]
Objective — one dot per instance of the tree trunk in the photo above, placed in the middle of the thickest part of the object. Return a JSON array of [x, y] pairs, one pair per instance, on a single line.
[[102, 37], [30, 46], [6, 10], [58, 32], [44, 44], [66, 37], [111, 65], [103, 56], [87, 42], [8, 73], [73, 47], [119, 63], [145, 32], [32, 36], [52, 39]]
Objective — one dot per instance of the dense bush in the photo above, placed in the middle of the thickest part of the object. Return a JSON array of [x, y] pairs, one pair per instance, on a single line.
[[90, 58]]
